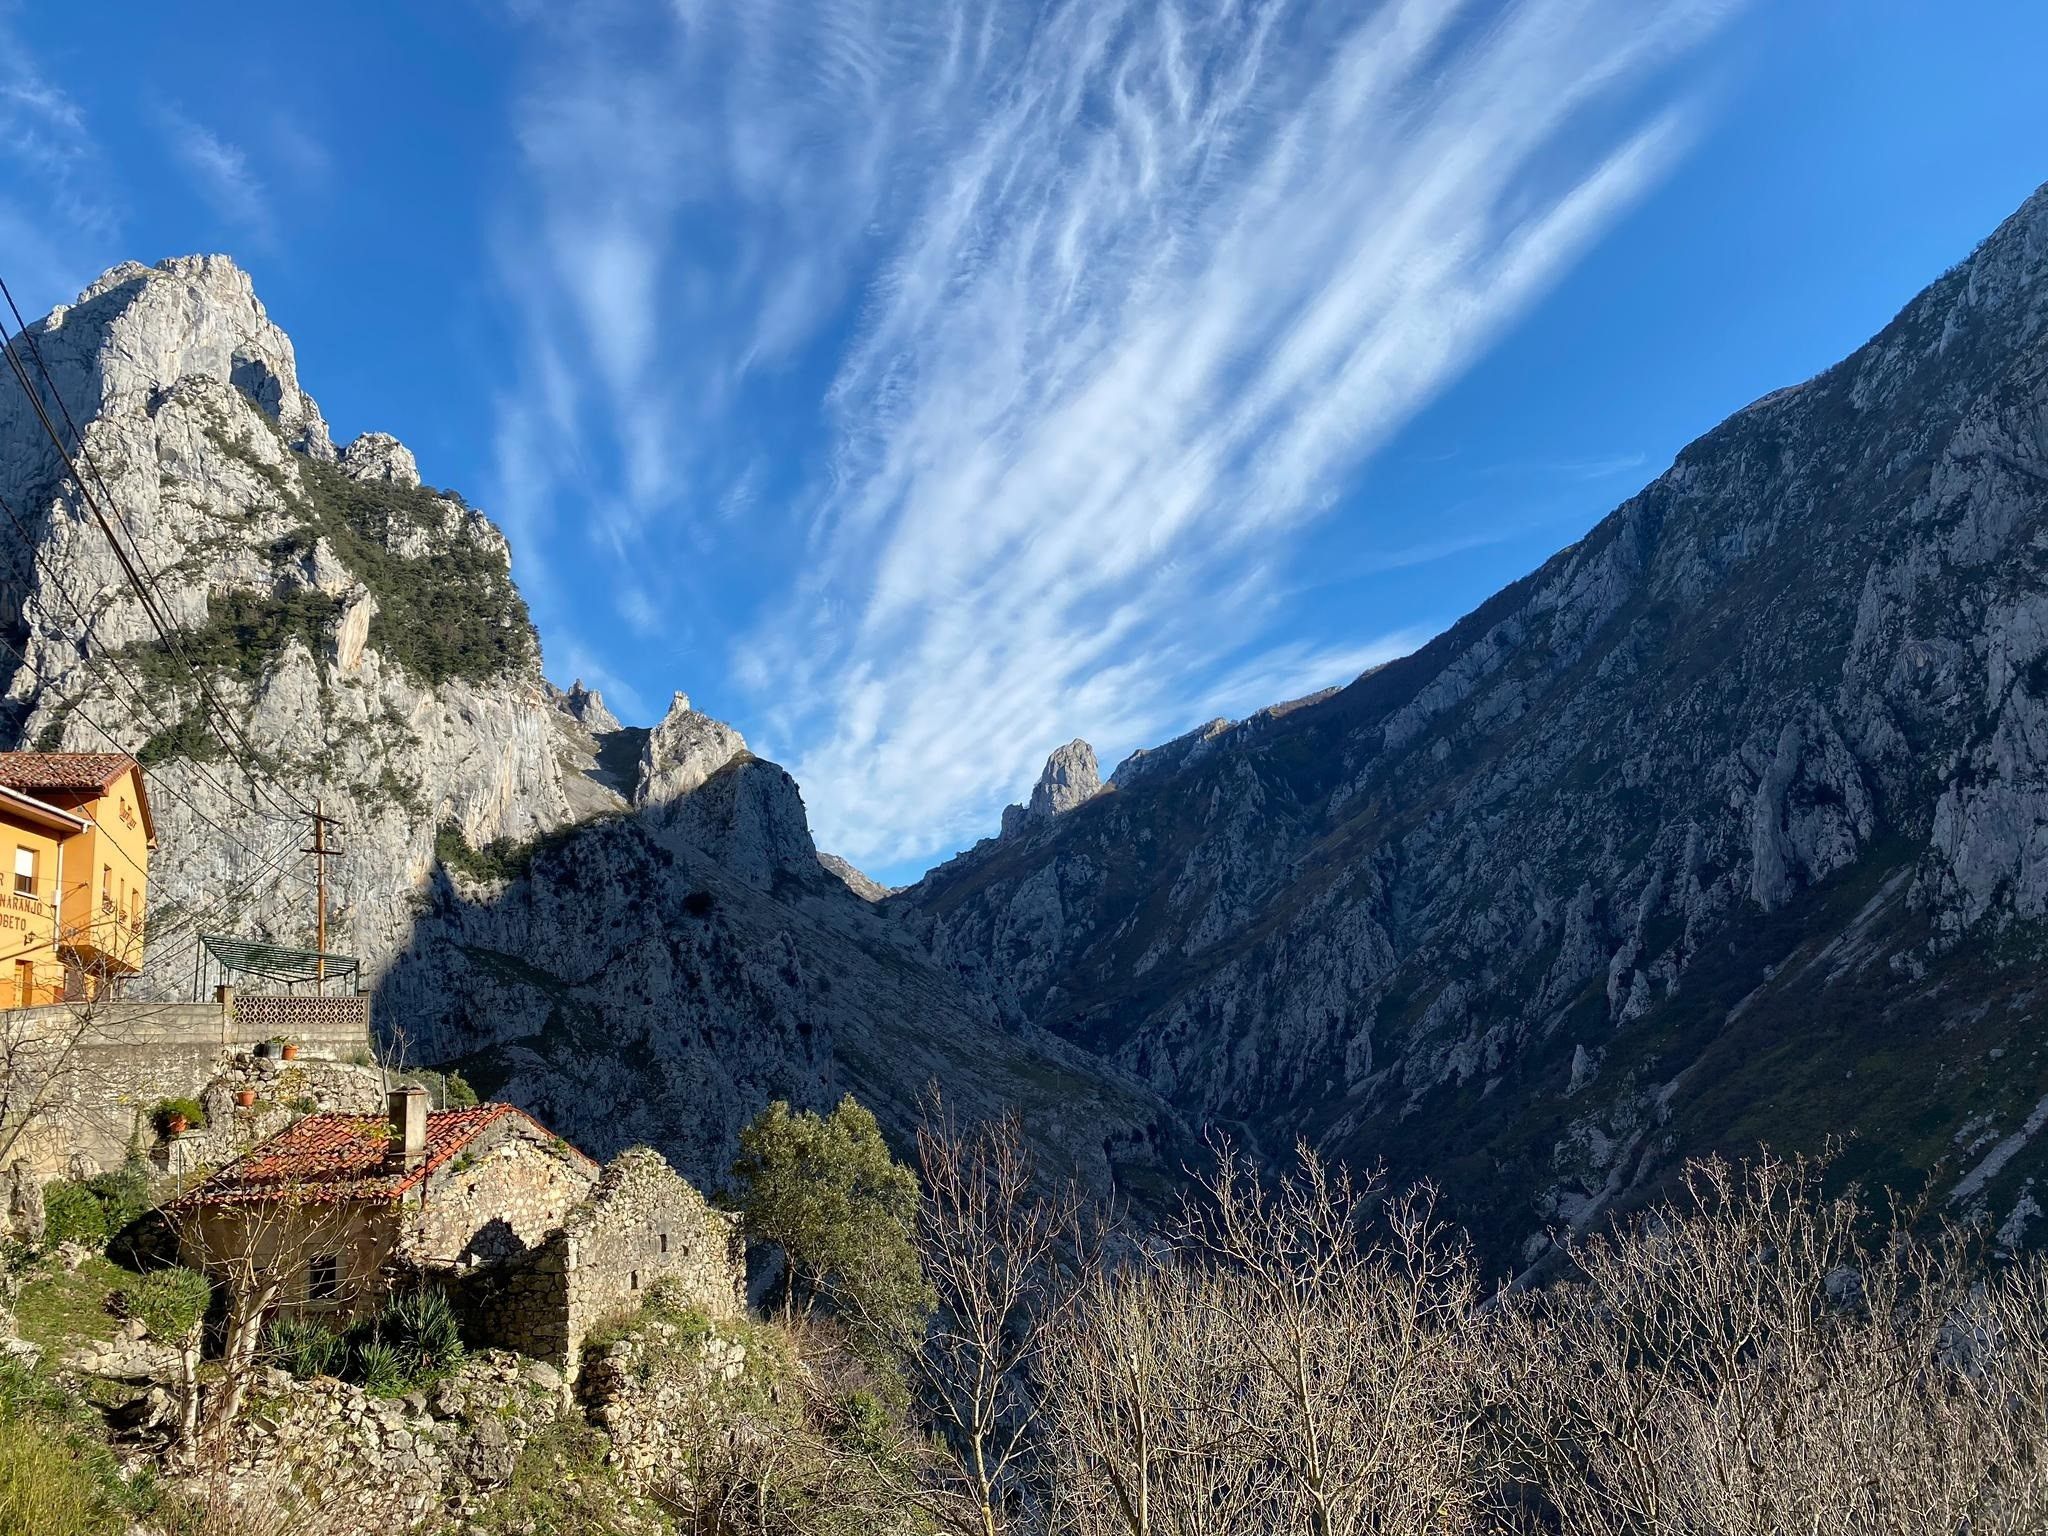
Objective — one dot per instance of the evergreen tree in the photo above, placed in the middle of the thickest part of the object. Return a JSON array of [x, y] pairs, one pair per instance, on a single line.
[[825, 1191]]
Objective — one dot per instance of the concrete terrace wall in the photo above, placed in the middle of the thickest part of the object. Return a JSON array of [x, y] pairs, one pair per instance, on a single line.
[[78, 1077]]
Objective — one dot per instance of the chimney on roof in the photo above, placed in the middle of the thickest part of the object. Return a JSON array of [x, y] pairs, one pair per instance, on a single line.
[[409, 1124]]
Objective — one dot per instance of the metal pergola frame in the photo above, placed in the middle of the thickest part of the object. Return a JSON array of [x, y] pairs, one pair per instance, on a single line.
[[235, 957]]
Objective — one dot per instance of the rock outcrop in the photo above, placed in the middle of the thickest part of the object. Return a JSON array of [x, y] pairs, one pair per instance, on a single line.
[[684, 750], [378, 456], [1069, 777], [856, 882]]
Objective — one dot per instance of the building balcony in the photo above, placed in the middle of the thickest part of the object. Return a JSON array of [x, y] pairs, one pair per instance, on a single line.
[[111, 941]]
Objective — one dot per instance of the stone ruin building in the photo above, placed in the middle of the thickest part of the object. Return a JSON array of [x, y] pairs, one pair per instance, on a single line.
[[534, 1242]]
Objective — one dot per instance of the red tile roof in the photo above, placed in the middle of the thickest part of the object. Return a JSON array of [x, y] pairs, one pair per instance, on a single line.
[[85, 773], [345, 1157], [32, 771]]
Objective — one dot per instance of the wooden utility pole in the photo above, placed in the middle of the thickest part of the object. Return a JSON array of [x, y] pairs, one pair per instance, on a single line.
[[321, 854]]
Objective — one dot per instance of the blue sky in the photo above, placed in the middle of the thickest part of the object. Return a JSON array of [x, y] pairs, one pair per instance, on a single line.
[[920, 385]]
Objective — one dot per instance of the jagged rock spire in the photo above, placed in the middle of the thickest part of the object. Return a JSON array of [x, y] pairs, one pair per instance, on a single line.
[[1070, 776], [683, 751]]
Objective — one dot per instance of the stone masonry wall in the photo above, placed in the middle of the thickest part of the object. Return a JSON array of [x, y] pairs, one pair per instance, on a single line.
[[640, 1225], [90, 1070], [502, 1196], [662, 1391]]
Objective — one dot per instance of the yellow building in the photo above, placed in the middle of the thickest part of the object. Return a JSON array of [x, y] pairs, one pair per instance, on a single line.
[[75, 837]]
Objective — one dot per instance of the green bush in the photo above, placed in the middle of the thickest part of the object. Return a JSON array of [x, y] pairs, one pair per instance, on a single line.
[[306, 1348], [168, 1109], [824, 1189], [124, 1194], [423, 1330], [72, 1214], [413, 1341], [449, 1090], [866, 1425], [169, 1303]]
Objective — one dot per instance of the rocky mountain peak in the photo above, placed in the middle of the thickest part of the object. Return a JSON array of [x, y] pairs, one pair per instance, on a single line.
[[586, 707], [1070, 776], [379, 457], [684, 750], [629, 930], [139, 330]]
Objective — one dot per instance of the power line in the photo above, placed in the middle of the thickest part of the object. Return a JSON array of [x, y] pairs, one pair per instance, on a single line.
[[143, 594], [114, 742], [136, 691]]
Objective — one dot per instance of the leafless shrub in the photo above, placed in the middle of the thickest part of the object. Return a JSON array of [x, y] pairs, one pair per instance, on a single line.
[[1280, 1364], [1312, 1355], [1146, 1384], [1754, 1358]]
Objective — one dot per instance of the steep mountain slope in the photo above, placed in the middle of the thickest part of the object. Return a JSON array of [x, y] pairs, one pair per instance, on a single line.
[[1730, 821], [629, 930]]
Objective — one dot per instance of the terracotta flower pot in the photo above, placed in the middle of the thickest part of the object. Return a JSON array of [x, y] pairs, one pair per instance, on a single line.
[[291, 1052], [245, 1097]]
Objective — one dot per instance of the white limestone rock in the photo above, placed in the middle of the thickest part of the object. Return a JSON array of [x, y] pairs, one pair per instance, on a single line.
[[1070, 776], [684, 750], [850, 877], [381, 458]]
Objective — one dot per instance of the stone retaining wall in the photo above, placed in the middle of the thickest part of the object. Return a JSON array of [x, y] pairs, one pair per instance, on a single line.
[[92, 1069], [661, 1393], [393, 1465]]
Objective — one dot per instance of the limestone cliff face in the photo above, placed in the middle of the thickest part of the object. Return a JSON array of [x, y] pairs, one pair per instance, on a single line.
[[628, 930], [1729, 822], [303, 590]]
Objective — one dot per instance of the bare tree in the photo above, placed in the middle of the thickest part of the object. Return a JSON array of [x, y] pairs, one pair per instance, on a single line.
[[1358, 1345], [1278, 1364], [1144, 1379], [1001, 1258], [260, 1252]]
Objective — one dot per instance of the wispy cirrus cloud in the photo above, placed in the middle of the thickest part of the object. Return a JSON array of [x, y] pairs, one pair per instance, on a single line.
[[222, 174], [1060, 321], [59, 208]]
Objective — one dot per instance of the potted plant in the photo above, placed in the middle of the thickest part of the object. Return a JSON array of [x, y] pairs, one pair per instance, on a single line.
[[246, 1097], [288, 1049], [174, 1117]]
